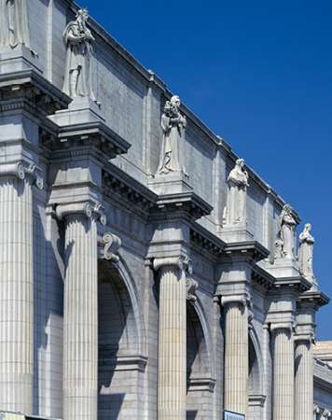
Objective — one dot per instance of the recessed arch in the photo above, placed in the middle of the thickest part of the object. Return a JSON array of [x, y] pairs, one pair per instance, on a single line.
[[200, 383], [120, 338]]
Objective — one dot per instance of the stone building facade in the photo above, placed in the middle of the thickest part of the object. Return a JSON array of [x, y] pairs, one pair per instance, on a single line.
[[145, 271]]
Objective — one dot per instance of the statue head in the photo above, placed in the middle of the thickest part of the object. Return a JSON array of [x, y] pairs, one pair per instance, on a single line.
[[307, 227], [82, 16], [240, 163], [175, 101]]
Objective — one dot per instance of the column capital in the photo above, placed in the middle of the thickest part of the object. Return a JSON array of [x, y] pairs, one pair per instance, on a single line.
[[108, 247], [308, 338], [243, 299], [327, 414], [86, 208], [277, 326], [21, 171], [182, 262]]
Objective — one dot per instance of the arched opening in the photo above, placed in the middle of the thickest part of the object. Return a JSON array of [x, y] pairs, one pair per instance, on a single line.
[[120, 365], [255, 386], [199, 382]]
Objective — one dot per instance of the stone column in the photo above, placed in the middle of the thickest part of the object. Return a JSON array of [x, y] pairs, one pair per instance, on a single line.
[[236, 354], [304, 382], [172, 357], [283, 371], [80, 371], [16, 288]]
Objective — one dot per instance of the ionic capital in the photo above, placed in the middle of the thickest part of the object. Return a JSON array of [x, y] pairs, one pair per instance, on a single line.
[[282, 326], [86, 209], [20, 171], [108, 247], [303, 338], [182, 262], [242, 299]]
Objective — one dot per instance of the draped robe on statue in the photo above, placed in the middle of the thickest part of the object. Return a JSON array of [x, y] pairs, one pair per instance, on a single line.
[[14, 23], [170, 151], [287, 232], [79, 53], [306, 250]]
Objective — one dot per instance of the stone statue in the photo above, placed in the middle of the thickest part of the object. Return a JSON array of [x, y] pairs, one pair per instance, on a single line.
[[285, 243], [14, 23], [237, 194], [78, 74], [173, 124], [306, 250]]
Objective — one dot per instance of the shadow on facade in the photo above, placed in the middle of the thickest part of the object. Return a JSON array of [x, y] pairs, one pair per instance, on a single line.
[[118, 345]]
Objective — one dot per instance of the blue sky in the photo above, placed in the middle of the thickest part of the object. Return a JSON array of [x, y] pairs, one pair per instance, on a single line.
[[259, 74]]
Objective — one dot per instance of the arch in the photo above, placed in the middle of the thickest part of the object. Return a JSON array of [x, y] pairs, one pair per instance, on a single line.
[[120, 335], [256, 377], [200, 383]]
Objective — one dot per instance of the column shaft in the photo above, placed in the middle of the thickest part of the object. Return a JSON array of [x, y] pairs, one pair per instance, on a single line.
[[304, 385], [16, 296], [283, 375], [172, 365], [81, 320], [236, 357]]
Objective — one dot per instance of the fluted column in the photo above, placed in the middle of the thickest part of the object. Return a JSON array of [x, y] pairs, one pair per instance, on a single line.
[[80, 374], [172, 358], [304, 384], [16, 288], [283, 371], [236, 354]]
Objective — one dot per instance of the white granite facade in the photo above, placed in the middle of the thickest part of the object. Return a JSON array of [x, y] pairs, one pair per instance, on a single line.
[[145, 271]]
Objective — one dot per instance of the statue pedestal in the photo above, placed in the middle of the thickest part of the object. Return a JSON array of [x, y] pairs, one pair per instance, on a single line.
[[81, 110], [236, 233], [172, 183], [18, 59], [284, 267]]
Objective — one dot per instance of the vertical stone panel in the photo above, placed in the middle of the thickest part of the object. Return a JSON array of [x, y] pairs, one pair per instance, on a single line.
[[172, 344], [304, 386], [81, 319], [16, 295], [236, 356], [283, 373]]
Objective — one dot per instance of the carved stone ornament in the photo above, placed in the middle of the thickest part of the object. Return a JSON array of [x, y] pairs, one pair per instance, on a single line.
[[78, 71], [173, 124], [14, 23], [306, 250], [285, 242], [235, 211], [109, 247], [191, 284], [85, 208], [20, 171]]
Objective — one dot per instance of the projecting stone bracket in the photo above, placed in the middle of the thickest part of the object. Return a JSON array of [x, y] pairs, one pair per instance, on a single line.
[[108, 247]]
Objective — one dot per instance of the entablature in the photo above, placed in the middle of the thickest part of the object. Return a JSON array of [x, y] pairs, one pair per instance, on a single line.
[[27, 89]]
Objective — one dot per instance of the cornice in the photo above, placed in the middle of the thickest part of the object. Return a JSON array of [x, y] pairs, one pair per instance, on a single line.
[[312, 297], [204, 239], [119, 185], [253, 249], [262, 277], [296, 283], [28, 89], [186, 202], [97, 134]]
